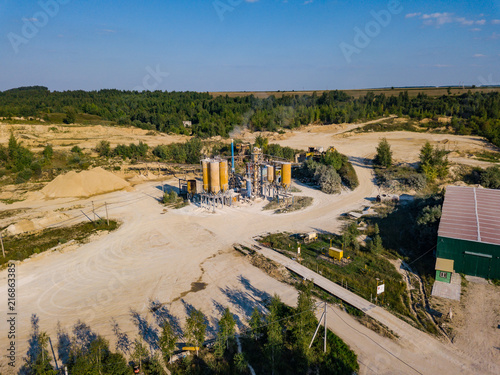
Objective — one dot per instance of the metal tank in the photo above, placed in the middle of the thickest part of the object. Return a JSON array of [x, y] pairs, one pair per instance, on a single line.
[[224, 175], [263, 177], [270, 173], [249, 188], [286, 174], [214, 177], [206, 174]]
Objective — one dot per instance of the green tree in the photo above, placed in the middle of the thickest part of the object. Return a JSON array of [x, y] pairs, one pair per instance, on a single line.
[[384, 154], [70, 117], [168, 339], [256, 322], [195, 328], [140, 353], [274, 334], [48, 152], [37, 360], [433, 162], [305, 322], [262, 143], [103, 148], [225, 333], [490, 178]]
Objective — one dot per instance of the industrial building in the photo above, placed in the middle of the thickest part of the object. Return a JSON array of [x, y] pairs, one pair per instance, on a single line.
[[469, 233], [264, 177]]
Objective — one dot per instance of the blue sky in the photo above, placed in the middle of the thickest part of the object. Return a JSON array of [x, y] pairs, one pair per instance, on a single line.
[[230, 45]]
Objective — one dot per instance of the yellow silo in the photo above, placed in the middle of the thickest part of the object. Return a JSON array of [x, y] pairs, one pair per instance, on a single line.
[[206, 174], [270, 173], [224, 175], [214, 177], [286, 174]]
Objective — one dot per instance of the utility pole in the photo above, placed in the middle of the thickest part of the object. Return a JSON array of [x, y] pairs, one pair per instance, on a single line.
[[93, 211], [323, 318], [1, 241], [324, 345], [107, 217]]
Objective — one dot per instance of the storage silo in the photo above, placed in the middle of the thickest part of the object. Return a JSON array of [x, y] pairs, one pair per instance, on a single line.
[[214, 177], [224, 175], [206, 174], [286, 174], [270, 173], [249, 188], [263, 174]]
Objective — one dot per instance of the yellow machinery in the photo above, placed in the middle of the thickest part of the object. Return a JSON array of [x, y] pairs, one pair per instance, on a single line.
[[206, 174], [224, 175], [214, 177], [336, 253], [286, 174]]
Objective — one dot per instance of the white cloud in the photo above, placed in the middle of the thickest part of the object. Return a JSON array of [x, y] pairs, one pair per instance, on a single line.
[[438, 19], [308, 2], [475, 29], [479, 55], [442, 66]]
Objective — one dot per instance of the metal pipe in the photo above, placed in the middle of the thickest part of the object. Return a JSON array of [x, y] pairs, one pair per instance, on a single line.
[[232, 155]]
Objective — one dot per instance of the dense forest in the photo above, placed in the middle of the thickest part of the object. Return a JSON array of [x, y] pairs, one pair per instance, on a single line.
[[473, 113]]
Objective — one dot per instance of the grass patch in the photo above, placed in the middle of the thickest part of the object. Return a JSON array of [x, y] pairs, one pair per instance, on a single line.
[[489, 156], [299, 203], [359, 275], [23, 246]]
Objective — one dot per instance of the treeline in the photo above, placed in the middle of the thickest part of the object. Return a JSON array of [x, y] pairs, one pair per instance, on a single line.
[[274, 343], [472, 113]]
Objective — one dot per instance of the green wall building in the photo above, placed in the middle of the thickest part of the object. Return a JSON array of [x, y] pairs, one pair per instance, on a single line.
[[469, 233]]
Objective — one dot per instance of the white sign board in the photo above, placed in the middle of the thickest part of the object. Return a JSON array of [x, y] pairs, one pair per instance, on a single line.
[[380, 288]]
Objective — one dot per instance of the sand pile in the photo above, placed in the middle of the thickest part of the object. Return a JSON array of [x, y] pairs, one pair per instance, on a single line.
[[84, 184], [26, 225]]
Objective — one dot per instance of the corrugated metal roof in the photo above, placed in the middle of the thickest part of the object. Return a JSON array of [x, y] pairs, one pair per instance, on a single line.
[[471, 214], [445, 264]]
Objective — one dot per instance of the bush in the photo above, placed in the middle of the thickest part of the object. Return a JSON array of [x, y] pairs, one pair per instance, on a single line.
[[103, 148], [349, 176], [490, 178], [24, 176], [76, 150]]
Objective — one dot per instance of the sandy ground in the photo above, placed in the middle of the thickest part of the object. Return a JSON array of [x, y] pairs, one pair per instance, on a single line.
[[155, 257], [67, 136]]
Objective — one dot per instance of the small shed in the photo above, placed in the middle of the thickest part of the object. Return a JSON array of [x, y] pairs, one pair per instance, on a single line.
[[310, 237], [444, 269], [336, 253]]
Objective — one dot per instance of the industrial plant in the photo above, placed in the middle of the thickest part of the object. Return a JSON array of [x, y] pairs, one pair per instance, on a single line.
[[264, 176]]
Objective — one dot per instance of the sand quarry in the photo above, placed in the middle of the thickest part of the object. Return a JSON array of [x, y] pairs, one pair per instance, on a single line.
[[183, 258]]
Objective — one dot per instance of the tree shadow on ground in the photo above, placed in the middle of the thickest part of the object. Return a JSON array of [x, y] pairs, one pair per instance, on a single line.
[[189, 309], [162, 314], [220, 309], [262, 295], [63, 345], [122, 340], [146, 330]]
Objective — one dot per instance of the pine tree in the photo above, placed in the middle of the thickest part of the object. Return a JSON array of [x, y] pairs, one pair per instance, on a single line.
[[168, 339], [384, 154]]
